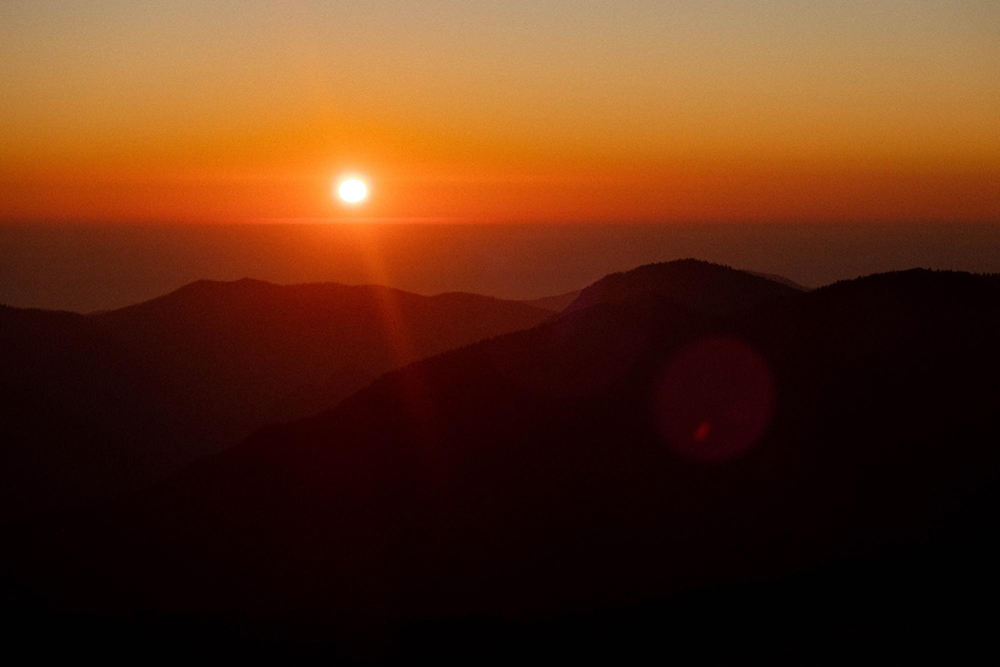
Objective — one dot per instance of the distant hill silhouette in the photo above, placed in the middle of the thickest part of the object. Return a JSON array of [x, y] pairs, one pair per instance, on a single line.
[[244, 353], [643, 473], [710, 288], [110, 400]]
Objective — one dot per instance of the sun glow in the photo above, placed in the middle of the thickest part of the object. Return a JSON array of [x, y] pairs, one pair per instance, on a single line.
[[352, 190]]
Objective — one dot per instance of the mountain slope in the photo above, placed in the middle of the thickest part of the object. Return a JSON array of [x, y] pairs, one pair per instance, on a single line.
[[105, 402], [559, 470], [241, 354]]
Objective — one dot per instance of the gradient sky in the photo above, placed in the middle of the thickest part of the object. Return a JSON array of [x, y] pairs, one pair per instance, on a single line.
[[515, 110]]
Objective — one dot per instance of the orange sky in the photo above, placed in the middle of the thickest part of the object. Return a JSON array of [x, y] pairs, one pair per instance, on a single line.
[[236, 111]]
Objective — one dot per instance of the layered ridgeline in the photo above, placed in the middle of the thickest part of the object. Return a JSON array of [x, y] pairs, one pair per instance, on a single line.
[[99, 403], [699, 463], [490, 478], [639, 475]]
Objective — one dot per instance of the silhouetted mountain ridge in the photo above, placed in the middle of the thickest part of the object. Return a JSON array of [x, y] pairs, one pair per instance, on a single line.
[[710, 288], [558, 470], [108, 401]]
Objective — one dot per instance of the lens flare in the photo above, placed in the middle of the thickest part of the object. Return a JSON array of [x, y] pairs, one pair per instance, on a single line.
[[716, 399]]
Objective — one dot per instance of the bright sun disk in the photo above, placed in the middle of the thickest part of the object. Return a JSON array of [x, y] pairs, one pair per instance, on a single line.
[[352, 190]]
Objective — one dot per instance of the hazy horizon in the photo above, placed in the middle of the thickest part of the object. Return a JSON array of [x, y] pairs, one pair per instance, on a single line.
[[86, 267]]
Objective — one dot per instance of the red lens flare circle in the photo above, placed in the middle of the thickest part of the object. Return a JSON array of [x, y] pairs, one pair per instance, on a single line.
[[716, 398]]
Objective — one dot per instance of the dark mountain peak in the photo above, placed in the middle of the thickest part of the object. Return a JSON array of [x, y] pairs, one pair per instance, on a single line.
[[912, 312], [703, 286], [916, 298], [197, 291], [919, 284], [220, 298]]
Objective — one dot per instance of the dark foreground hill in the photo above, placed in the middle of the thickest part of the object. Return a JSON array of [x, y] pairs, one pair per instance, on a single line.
[[811, 479], [100, 403]]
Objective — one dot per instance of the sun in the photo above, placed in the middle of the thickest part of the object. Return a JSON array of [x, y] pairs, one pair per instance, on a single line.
[[352, 190]]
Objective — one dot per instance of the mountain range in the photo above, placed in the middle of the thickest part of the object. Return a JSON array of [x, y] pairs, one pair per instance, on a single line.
[[685, 461], [103, 403]]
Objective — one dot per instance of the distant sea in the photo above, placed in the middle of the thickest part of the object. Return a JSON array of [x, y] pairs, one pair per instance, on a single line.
[[99, 266]]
